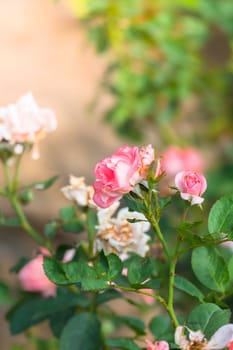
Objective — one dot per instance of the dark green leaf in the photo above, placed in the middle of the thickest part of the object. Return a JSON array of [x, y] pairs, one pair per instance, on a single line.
[[33, 311], [67, 213], [74, 272], [115, 266], [108, 295], [139, 269], [58, 321], [82, 331], [159, 325], [75, 226]]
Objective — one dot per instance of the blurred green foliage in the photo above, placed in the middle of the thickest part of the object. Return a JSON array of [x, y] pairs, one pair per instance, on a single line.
[[163, 54]]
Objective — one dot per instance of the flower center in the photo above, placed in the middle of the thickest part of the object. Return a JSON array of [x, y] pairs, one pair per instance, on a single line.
[[121, 233], [197, 345]]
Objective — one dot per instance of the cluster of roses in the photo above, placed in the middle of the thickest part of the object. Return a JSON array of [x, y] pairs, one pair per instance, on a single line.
[[116, 176]]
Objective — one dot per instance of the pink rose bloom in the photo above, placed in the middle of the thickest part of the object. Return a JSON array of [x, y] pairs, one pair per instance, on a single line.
[[175, 159], [191, 186], [158, 345], [33, 278], [119, 173]]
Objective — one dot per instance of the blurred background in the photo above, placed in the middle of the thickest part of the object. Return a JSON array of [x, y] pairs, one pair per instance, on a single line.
[[135, 71]]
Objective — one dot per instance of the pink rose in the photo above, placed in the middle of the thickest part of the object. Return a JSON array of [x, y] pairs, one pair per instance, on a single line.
[[191, 186], [158, 345], [175, 159], [33, 278], [119, 173]]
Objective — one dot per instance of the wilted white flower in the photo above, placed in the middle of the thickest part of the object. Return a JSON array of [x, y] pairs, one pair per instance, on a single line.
[[196, 340], [24, 121], [118, 235], [79, 192]]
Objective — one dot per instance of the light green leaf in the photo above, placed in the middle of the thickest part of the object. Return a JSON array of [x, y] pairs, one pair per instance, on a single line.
[[221, 215], [210, 268], [186, 286], [208, 318]]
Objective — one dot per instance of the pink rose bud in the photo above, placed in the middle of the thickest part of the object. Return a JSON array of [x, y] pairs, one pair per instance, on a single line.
[[33, 278], [119, 173], [158, 345], [191, 186]]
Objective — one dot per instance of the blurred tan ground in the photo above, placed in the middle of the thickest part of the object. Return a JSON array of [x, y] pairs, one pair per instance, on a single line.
[[43, 50]]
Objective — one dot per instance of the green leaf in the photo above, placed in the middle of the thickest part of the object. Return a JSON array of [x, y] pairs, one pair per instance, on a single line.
[[67, 213], [115, 266], [139, 269], [75, 226], [51, 228], [81, 332], [163, 202], [33, 311], [5, 294], [210, 268], [133, 323], [58, 321], [221, 215], [122, 343], [107, 296], [208, 318], [186, 286], [159, 325], [74, 272]]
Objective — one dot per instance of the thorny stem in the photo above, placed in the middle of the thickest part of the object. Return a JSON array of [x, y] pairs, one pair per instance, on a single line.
[[154, 222], [156, 227]]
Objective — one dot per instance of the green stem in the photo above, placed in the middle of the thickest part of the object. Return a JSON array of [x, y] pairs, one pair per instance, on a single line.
[[162, 301], [172, 282], [25, 224], [7, 176], [16, 174], [11, 186], [156, 228], [140, 291]]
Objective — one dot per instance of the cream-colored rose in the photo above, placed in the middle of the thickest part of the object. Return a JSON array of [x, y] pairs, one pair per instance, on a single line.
[[118, 235], [79, 192]]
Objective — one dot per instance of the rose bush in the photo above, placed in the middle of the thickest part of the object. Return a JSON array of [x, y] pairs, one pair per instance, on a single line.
[[181, 270]]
